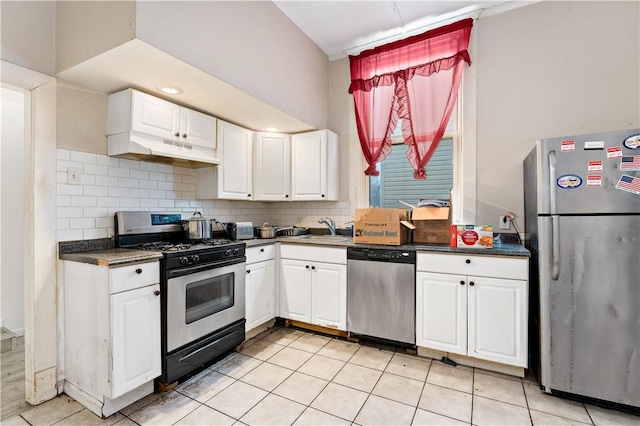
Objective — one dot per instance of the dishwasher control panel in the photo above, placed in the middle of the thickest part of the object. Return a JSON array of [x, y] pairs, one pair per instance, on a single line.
[[381, 255]]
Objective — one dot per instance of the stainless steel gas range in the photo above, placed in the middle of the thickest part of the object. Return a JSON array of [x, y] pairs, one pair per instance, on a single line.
[[202, 289]]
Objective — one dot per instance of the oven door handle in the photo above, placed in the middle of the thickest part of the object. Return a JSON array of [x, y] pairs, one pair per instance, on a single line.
[[174, 273]]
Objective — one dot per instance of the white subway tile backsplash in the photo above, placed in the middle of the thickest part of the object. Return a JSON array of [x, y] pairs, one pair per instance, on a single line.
[[139, 174], [96, 191], [69, 234], [108, 201], [106, 180], [118, 171], [64, 189], [151, 167], [108, 161], [111, 184], [157, 194], [130, 202], [63, 154], [115, 191], [127, 183], [82, 223], [83, 157], [83, 201], [68, 212], [139, 193], [96, 169], [63, 200], [157, 176], [148, 184], [129, 164]]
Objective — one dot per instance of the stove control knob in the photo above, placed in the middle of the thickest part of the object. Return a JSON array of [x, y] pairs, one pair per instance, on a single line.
[[227, 253], [236, 251], [184, 260], [195, 258]]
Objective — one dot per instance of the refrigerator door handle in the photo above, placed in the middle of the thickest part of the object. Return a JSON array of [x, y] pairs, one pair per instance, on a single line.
[[555, 247], [552, 182]]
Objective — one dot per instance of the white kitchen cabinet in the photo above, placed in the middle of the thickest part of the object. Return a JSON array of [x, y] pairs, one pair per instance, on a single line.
[[260, 286], [131, 110], [314, 285], [111, 333], [314, 166], [473, 305], [272, 167]]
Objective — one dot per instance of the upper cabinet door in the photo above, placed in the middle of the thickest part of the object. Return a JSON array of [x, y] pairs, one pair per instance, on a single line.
[[197, 128], [314, 166], [155, 116], [235, 150], [272, 167]]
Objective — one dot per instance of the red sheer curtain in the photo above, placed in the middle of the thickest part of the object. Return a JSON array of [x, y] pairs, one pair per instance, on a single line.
[[416, 79]]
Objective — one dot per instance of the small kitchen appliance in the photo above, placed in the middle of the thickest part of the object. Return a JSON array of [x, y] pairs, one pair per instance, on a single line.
[[582, 223], [240, 230], [202, 286]]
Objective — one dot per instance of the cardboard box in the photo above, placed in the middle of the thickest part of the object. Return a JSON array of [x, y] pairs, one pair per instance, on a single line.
[[381, 226], [476, 236], [432, 225]]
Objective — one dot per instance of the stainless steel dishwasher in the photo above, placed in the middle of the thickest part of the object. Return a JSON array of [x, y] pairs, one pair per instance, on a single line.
[[381, 293]]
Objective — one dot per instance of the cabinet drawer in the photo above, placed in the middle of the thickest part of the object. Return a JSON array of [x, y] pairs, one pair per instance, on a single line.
[[258, 254], [130, 277], [314, 253], [483, 266]]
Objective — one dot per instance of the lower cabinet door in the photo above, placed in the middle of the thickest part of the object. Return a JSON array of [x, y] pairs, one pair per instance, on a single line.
[[295, 295], [135, 338], [441, 312], [329, 295], [498, 320], [260, 293]]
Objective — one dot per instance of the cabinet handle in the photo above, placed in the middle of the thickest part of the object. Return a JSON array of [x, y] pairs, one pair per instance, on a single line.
[[177, 135], [157, 292], [248, 271], [286, 196], [262, 250], [461, 282], [307, 266], [467, 261], [248, 195], [313, 267], [322, 195], [184, 135], [471, 283], [138, 271]]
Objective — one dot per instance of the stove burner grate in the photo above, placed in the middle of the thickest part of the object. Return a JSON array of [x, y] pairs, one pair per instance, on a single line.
[[163, 246], [216, 242]]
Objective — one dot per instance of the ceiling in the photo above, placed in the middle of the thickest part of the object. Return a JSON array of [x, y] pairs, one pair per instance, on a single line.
[[339, 28], [342, 28]]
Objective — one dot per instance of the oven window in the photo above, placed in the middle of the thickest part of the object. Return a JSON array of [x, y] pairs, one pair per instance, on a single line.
[[209, 296]]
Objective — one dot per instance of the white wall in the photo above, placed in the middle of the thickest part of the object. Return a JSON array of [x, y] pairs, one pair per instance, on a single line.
[[250, 45], [27, 34], [13, 214], [549, 69]]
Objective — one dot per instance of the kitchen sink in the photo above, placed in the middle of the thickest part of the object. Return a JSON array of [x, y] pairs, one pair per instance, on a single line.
[[336, 238]]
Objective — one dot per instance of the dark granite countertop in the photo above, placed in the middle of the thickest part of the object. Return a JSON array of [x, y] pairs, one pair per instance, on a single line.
[[513, 250], [112, 256]]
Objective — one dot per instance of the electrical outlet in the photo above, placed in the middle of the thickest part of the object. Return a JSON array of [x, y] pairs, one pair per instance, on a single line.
[[73, 175], [505, 222]]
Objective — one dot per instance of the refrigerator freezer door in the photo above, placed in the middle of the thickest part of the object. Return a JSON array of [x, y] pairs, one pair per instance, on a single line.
[[583, 177], [590, 316]]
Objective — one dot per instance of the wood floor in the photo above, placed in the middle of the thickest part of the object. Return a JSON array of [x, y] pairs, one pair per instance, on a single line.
[[12, 364]]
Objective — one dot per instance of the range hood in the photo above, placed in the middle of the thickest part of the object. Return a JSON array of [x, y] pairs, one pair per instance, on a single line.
[[138, 146]]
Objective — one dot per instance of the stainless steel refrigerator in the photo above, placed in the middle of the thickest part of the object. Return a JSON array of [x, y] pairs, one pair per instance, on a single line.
[[582, 226]]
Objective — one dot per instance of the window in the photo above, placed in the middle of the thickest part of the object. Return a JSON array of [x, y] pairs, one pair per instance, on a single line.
[[396, 181]]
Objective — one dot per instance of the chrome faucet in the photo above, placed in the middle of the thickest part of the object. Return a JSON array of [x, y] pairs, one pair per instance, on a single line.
[[330, 224]]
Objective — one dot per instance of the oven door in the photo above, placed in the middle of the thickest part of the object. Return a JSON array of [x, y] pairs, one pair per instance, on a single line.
[[201, 300]]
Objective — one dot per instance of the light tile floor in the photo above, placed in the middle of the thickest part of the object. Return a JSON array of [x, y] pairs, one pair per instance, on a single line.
[[287, 376]]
